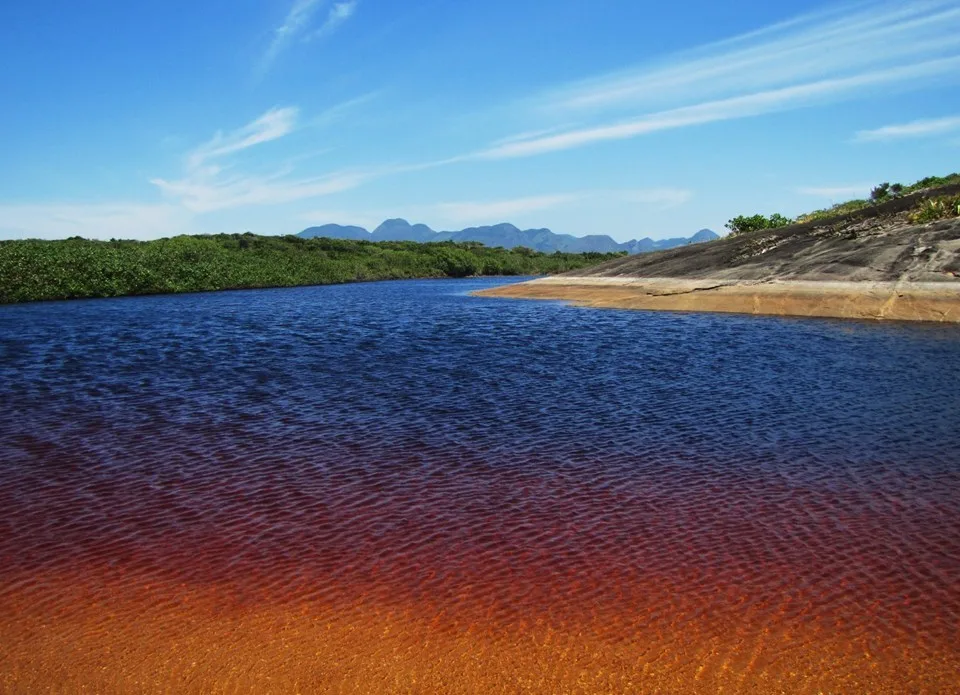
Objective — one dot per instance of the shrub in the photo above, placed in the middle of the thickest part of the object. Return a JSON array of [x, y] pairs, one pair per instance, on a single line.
[[881, 192], [933, 209], [778, 220], [742, 224]]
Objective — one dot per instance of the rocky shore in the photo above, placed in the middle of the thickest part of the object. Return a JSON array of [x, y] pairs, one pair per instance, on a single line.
[[911, 301], [872, 265]]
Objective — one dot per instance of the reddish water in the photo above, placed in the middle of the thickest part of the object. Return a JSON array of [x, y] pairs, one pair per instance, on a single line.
[[316, 524]]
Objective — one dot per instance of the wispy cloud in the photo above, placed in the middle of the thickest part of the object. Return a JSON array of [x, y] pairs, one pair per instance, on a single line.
[[725, 109], [816, 59], [299, 24], [206, 184], [338, 14], [532, 134], [338, 111], [200, 194], [922, 128], [274, 124], [833, 192], [204, 187], [846, 39]]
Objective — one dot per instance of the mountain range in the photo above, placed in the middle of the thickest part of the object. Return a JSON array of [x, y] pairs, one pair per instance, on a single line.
[[505, 235]]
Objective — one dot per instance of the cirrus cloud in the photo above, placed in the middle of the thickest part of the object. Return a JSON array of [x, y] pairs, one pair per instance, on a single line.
[[206, 184], [843, 53], [922, 128], [299, 23]]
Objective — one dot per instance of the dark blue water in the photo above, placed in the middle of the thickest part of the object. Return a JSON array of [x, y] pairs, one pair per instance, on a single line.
[[497, 458], [423, 362]]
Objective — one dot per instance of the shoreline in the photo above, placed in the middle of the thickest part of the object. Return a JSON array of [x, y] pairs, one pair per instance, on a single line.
[[37, 270], [225, 290], [892, 301]]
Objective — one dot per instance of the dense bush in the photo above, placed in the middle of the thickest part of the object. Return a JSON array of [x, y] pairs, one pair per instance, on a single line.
[[741, 224], [74, 268]]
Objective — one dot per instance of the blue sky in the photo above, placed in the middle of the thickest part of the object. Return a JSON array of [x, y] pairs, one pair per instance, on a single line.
[[142, 120]]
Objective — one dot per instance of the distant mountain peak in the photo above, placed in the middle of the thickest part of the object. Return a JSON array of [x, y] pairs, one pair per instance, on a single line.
[[506, 235], [395, 223], [704, 235], [398, 229]]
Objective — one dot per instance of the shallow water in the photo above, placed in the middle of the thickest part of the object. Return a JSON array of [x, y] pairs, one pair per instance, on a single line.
[[397, 487]]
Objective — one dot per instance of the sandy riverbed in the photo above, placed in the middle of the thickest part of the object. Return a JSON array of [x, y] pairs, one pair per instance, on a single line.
[[900, 301]]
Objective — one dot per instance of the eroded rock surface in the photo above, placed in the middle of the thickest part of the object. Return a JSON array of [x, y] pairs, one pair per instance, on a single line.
[[879, 267], [878, 249]]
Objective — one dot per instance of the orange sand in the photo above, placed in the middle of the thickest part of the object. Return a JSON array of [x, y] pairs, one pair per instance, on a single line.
[[94, 630], [860, 300]]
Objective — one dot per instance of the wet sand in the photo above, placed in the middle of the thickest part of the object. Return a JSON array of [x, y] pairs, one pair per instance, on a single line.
[[899, 301]]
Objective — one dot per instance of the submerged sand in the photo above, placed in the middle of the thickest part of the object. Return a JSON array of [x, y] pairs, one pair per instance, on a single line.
[[900, 301], [87, 631]]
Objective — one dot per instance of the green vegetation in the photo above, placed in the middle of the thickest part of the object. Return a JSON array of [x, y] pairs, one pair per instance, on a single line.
[[33, 270], [933, 209], [741, 224], [835, 210], [933, 182], [880, 193]]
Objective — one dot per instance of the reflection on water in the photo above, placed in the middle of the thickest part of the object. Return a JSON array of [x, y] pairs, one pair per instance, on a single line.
[[395, 487]]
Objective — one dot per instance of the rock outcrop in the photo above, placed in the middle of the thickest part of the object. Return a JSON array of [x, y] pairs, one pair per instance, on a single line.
[[875, 264]]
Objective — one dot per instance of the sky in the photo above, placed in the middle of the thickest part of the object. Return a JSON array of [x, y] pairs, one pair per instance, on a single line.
[[142, 120]]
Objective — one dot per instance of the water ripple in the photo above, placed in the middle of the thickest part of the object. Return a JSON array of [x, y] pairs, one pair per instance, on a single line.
[[720, 501]]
